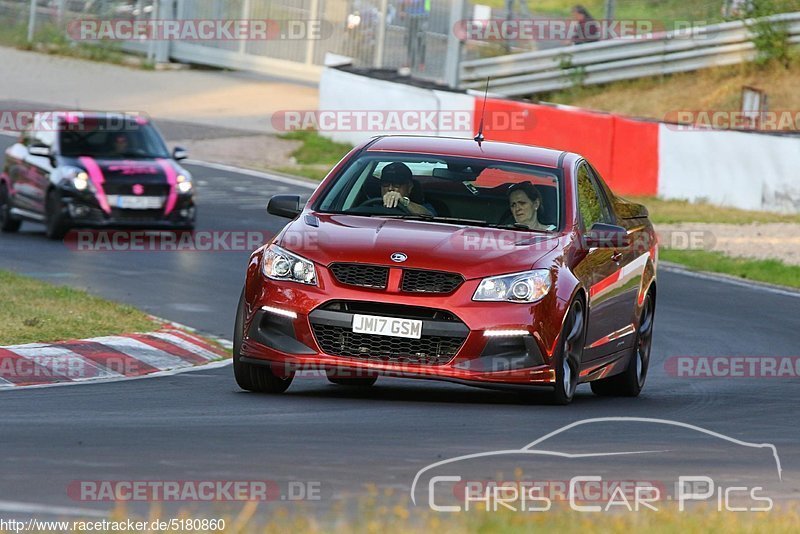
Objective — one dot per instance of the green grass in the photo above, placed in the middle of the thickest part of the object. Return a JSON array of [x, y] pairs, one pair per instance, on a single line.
[[316, 150], [682, 211], [35, 311], [770, 271], [51, 39], [315, 156], [388, 516]]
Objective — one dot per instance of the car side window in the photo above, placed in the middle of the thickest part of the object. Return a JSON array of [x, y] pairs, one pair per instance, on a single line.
[[43, 138], [591, 202]]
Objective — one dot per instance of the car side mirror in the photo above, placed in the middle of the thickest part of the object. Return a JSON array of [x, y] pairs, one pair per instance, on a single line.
[[179, 153], [284, 206], [604, 235], [40, 150]]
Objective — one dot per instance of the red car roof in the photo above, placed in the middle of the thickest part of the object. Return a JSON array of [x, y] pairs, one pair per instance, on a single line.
[[468, 148]]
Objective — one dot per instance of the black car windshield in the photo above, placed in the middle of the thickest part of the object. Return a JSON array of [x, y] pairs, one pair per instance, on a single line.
[[447, 189], [124, 139]]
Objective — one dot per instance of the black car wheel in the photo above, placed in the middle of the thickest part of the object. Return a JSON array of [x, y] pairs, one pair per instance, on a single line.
[[570, 354], [54, 220], [256, 378], [7, 222], [630, 382]]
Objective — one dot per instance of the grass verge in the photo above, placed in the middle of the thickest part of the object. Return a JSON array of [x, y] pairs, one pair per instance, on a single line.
[[770, 271], [682, 211], [666, 11], [50, 39], [35, 311], [385, 518], [315, 156], [660, 97]]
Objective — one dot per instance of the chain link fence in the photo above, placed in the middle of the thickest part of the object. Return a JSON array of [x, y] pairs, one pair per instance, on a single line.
[[416, 37]]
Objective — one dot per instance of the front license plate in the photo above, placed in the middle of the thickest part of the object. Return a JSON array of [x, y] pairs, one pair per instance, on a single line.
[[387, 326], [129, 202]]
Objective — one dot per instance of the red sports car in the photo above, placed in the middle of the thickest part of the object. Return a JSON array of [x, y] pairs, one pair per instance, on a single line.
[[489, 264]]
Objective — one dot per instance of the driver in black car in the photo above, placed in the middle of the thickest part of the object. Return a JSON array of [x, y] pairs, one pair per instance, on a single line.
[[396, 185]]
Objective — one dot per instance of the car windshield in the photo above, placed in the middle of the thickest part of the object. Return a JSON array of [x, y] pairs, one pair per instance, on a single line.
[[106, 139], [447, 189]]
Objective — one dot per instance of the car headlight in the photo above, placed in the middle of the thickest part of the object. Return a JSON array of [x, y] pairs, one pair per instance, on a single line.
[[280, 264], [528, 286], [184, 183], [77, 176]]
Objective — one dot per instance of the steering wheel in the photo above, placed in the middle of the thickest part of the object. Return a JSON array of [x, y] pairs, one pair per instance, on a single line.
[[378, 202]]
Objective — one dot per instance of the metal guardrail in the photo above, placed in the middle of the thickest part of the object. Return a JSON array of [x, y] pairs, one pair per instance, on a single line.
[[529, 73]]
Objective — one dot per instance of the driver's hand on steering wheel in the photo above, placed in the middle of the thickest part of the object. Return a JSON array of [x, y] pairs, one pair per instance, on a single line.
[[392, 199]]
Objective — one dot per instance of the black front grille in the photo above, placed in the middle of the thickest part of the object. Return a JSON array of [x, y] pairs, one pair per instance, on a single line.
[[355, 274], [420, 281], [126, 188], [428, 350], [443, 333]]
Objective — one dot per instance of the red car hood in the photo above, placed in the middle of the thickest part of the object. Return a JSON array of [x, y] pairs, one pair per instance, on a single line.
[[472, 251]]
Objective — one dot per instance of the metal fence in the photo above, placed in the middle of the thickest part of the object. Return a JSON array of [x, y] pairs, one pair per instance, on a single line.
[[417, 36], [388, 34], [602, 62]]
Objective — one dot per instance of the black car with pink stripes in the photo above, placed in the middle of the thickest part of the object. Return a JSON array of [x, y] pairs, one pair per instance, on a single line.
[[96, 170]]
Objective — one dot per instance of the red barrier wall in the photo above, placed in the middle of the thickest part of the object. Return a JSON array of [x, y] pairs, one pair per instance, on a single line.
[[624, 151]]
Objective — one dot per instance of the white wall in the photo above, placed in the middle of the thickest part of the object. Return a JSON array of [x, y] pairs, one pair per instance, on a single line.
[[737, 169], [343, 91]]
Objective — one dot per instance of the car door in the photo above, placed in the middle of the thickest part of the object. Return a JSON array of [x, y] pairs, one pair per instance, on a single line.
[[39, 168], [19, 173], [602, 270]]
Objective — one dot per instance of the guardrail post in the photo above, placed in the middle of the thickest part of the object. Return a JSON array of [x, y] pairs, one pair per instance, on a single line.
[[452, 66], [381, 37], [32, 21], [163, 9], [315, 12]]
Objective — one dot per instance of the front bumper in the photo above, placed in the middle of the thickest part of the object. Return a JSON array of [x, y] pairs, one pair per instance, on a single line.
[[454, 345], [83, 210]]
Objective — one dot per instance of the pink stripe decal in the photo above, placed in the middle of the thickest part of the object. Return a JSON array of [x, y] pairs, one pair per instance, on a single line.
[[172, 180], [96, 177]]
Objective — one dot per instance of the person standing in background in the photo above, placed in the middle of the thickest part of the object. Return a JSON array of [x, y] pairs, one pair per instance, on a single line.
[[587, 30], [417, 13]]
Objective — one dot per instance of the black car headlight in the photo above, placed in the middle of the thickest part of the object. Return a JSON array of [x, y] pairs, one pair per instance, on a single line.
[[280, 264], [528, 286]]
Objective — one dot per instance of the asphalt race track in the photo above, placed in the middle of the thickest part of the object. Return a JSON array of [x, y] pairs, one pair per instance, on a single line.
[[200, 426]]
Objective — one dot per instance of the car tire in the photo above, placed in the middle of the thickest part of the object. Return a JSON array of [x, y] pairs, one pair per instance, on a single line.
[[570, 353], [55, 226], [361, 382], [630, 382], [255, 378], [7, 222]]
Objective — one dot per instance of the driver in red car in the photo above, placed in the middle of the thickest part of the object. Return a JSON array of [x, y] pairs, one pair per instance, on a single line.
[[396, 186]]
